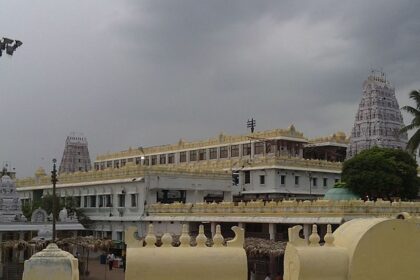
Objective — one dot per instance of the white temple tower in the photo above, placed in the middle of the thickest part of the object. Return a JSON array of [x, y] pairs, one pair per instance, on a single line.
[[378, 119], [75, 155]]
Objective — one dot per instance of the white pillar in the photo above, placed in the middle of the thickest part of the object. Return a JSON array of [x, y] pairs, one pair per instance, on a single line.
[[306, 231], [272, 231], [213, 229]]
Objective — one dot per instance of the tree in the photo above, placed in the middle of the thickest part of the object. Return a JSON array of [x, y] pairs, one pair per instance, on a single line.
[[382, 173], [414, 141]]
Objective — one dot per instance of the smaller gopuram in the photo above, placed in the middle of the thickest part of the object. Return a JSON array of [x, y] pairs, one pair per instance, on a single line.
[[361, 249], [186, 262], [76, 155], [10, 205]]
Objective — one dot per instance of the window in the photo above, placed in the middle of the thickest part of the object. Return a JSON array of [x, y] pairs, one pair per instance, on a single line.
[[183, 157], [170, 196], [246, 149], [121, 200], [262, 179], [171, 158], [202, 154], [109, 164], [234, 151], [283, 179], [130, 160], [107, 200], [325, 182], [96, 166], [269, 147], [123, 161], [92, 201], [133, 200], [259, 148], [85, 201], [138, 160], [119, 235], [336, 180], [224, 152], [146, 161], [296, 180], [162, 159], [314, 182], [247, 175], [101, 201], [154, 160], [213, 153], [193, 155]]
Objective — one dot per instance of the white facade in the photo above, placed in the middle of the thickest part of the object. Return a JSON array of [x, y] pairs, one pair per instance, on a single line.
[[273, 182], [114, 205]]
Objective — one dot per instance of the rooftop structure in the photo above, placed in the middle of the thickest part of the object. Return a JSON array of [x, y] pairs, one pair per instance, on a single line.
[[76, 155], [10, 205], [378, 119]]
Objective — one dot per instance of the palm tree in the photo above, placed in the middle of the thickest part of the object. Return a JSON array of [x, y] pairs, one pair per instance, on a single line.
[[414, 141]]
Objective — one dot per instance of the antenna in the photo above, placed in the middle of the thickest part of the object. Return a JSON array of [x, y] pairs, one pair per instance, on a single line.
[[251, 123]]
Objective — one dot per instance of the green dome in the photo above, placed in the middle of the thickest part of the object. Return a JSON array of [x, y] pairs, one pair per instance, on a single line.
[[340, 194]]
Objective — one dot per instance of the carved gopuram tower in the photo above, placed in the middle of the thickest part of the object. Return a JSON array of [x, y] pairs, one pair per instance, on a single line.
[[75, 155], [378, 119]]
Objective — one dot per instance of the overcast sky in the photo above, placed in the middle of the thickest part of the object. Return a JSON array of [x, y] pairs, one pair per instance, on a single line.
[[141, 73]]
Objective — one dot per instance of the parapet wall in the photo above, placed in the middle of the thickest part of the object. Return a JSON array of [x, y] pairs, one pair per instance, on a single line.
[[374, 249], [352, 208], [222, 262]]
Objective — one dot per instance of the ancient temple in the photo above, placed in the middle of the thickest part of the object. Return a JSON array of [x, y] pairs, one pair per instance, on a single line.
[[75, 155], [378, 120], [10, 205]]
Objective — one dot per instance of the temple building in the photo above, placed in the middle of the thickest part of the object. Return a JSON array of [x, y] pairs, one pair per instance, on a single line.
[[378, 120], [273, 164], [76, 155]]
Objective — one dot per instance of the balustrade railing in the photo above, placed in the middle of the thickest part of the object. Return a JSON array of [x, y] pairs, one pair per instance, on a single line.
[[289, 208]]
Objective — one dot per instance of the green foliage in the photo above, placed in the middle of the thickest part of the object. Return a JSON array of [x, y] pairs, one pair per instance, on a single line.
[[46, 203], [340, 185], [382, 173], [414, 141]]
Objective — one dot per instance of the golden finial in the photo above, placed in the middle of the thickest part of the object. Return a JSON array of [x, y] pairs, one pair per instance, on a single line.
[[185, 238], [150, 237], [167, 240], [218, 238], [314, 237], [329, 238], [201, 237]]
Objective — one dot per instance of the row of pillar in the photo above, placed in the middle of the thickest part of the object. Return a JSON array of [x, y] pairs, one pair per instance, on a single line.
[[271, 229]]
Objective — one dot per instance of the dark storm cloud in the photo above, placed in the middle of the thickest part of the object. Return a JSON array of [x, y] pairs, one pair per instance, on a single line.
[[131, 73]]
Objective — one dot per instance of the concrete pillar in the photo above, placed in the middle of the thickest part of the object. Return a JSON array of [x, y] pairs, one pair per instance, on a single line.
[[1, 256], [272, 231], [306, 231], [21, 253], [213, 229]]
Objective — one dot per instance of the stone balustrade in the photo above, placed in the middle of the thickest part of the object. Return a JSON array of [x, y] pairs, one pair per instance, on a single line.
[[146, 261], [360, 249], [200, 168], [355, 208]]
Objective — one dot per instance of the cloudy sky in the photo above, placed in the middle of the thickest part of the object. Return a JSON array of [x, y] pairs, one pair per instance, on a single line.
[[140, 73]]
